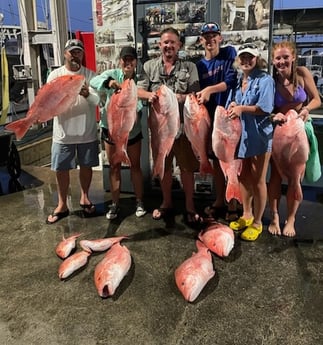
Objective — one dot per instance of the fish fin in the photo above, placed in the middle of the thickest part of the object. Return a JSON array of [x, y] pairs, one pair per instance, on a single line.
[[20, 127]]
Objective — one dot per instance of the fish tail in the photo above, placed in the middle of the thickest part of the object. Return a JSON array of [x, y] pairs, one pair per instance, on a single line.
[[19, 127]]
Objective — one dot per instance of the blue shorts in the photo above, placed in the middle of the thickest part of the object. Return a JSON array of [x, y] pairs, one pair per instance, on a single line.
[[68, 156]]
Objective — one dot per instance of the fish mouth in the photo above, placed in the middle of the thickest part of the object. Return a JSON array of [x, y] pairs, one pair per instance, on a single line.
[[105, 292]]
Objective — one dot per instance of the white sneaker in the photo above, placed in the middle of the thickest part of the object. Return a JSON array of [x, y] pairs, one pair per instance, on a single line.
[[113, 211], [140, 209]]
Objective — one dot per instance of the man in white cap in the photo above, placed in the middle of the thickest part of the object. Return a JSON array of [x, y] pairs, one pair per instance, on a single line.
[[75, 138]]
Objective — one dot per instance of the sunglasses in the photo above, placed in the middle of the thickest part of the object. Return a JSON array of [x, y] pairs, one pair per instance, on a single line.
[[212, 27], [248, 45]]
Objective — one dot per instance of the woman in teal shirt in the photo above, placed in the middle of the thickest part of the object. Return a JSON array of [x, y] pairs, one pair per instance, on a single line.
[[106, 83]]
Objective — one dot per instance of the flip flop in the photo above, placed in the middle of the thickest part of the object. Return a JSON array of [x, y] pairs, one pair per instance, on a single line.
[[193, 220], [163, 212], [251, 233], [88, 209], [58, 215]]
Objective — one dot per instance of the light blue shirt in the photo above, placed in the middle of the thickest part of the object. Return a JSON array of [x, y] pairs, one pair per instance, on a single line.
[[257, 130]]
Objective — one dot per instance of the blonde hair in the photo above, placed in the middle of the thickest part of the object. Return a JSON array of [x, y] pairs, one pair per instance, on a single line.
[[291, 46]]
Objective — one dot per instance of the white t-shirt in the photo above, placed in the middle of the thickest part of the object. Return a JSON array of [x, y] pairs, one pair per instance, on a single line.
[[78, 125]]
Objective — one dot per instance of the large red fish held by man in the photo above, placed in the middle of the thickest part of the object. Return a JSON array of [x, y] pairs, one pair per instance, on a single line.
[[121, 116], [164, 124], [197, 125], [225, 138], [194, 273], [52, 99], [291, 150]]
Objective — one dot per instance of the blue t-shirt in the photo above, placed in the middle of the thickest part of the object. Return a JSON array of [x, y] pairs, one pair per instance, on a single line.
[[257, 130], [215, 71]]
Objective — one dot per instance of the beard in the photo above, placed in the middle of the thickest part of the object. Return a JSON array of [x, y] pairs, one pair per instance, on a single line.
[[75, 63]]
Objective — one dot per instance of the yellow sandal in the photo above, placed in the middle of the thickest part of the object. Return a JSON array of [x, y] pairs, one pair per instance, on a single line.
[[251, 233], [240, 223]]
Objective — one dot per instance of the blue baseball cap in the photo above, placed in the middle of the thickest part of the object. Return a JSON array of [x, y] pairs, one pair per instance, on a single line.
[[212, 27]]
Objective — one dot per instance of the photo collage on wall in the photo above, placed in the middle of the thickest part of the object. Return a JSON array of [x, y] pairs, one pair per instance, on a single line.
[[113, 29], [185, 16], [246, 21]]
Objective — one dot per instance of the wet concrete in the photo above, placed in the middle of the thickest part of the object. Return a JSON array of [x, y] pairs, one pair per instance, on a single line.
[[266, 292]]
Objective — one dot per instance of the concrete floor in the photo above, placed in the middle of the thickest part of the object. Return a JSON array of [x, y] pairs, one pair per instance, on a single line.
[[267, 292]]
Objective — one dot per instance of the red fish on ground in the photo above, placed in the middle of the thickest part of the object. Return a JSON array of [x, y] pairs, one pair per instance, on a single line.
[[219, 238], [110, 271], [65, 247], [197, 125], [72, 264], [52, 99], [101, 244], [194, 273], [225, 138], [121, 116], [291, 150], [164, 124]]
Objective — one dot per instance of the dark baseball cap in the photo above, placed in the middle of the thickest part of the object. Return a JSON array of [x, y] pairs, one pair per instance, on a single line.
[[128, 51], [74, 44], [212, 27]]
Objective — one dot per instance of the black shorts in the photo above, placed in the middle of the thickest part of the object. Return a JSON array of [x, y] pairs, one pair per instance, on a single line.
[[106, 137]]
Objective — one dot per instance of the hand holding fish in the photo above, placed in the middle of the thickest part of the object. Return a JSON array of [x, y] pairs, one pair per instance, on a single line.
[[278, 118], [85, 90], [234, 110], [304, 114], [153, 97], [203, 96], [113, 84]]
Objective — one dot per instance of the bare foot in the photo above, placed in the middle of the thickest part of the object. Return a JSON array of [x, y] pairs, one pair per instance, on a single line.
[[274, 227], [289, 230]]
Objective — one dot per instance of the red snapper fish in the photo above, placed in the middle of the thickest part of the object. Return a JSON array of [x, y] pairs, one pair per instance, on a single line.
[[218, 238], [65, 247], [291, 150], [197, 125], [121, 116], [101, 244], [194, 273], [225, 138], [110, 271], [52, 99], [232, 170], [72, 264], [164, 124]]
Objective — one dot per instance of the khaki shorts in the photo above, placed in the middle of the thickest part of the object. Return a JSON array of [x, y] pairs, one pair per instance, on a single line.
[[185, 158]]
